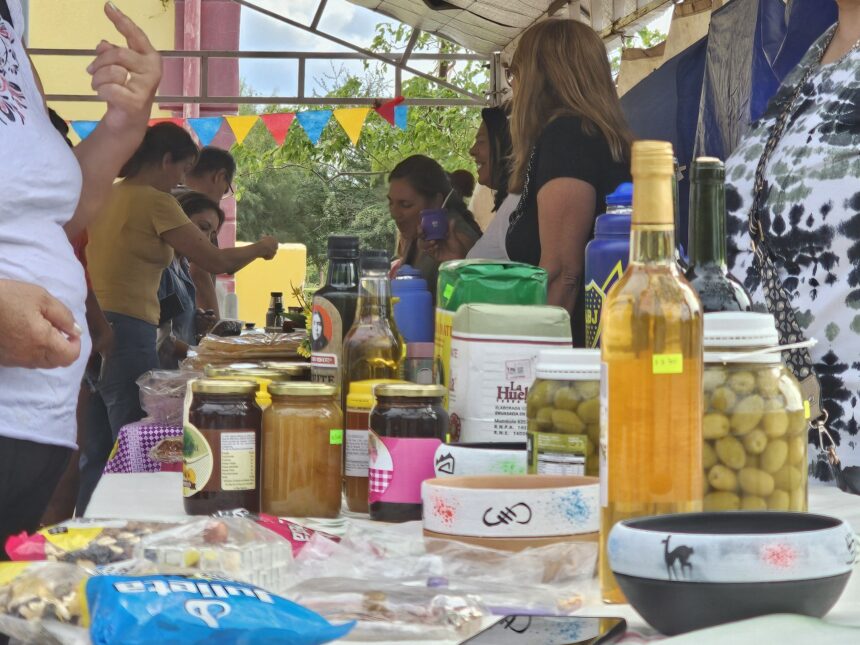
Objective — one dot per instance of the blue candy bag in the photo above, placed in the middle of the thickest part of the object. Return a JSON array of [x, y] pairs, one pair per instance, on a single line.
[[179, 609]]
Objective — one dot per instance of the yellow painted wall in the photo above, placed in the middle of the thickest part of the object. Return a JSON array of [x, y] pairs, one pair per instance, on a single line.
[[81, 24], [256, 281]]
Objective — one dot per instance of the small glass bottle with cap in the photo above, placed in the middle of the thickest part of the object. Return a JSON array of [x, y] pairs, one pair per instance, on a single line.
[[563, 409], [302, 444], [221, 447], [407, 425], [755, 423]]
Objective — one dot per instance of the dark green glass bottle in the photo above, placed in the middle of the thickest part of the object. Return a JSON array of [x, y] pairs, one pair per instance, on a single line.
[[718, 289]]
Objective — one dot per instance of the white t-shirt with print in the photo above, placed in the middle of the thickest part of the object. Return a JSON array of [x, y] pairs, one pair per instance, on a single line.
[[41, 185]]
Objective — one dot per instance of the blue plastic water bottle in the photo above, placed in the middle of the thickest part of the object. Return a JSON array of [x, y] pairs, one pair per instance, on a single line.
[[606, 257], [413, 313]]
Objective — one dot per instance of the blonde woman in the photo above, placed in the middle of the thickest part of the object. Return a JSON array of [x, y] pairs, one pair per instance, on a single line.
[[571, 148]]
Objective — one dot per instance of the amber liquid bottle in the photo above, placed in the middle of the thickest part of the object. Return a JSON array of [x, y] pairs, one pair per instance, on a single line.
[[373, 348], [651, 386], [706, 270]]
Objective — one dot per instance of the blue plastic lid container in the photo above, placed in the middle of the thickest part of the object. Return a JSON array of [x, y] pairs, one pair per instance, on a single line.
[[413, 311], [622, 196]]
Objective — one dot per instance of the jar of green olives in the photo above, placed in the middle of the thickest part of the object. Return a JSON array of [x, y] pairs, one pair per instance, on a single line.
[[563, 407], [754, 426]]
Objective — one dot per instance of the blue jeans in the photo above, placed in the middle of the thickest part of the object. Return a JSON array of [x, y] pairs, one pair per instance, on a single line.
[[117, 401]]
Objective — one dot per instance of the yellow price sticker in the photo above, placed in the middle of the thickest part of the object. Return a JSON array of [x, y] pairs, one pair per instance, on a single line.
[[335, 437], [667, 364], [807, 410], [448, 292]]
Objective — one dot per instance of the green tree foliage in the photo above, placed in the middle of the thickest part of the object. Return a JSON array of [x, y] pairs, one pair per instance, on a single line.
[[644, 39], [300, 192]]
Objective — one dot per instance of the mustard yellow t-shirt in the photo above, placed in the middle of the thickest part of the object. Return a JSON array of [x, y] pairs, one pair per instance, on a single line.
[[126, 254]]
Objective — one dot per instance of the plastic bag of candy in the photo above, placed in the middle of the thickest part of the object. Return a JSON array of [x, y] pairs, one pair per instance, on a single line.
[[160, 609], [297, 535]]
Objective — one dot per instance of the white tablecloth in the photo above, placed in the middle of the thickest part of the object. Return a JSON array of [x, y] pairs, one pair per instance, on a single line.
[[156, 496]]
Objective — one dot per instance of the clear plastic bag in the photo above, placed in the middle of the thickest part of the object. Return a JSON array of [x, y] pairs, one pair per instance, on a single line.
[[217, 350], [392, 611], [234, 547], [40, 602], [162, 393], [550, 580]]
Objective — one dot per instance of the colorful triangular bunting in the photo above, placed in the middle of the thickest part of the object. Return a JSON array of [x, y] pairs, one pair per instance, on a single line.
[[206, 128], [352, 121], [386, 110], [241, 125], [401, 114], [278, 125], [84, 128], [314, 122], [173, 119]]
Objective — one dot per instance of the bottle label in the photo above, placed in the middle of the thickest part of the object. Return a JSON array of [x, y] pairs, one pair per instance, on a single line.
[[326, 343], [557, 454], [197, 461], [603, 451], [595, 295], [356, 458], [238, 460], [398, 467]]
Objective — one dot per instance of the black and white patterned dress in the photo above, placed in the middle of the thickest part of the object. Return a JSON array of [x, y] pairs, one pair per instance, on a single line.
[[813, 226]]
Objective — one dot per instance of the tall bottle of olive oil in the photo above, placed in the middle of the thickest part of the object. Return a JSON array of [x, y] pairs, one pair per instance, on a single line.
[[651, 382], [373, 347]]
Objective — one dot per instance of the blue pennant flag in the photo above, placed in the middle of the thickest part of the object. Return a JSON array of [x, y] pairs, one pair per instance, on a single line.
[[206, 128], [314, 122], [401, 112], [84, 128]]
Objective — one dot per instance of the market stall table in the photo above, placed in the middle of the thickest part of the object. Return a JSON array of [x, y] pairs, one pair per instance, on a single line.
[[156, 496]]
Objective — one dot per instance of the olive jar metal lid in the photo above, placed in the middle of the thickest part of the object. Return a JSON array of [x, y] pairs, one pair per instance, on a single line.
[[740, 329], [568, 365], [299, 389], [219, 386], [410, 390]]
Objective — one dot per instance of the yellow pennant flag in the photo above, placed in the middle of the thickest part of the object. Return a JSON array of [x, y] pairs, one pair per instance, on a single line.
[[241, 125], [352, 121]]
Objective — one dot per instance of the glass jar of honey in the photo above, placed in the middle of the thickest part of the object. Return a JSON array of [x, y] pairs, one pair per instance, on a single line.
[[221, 447], [359, 403], [302, 451], [407, 425]]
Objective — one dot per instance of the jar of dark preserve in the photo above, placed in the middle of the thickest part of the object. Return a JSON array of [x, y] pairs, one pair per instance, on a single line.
[[407, 425], [222, 447]]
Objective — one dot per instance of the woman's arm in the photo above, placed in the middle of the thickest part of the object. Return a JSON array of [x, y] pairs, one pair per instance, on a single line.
[[126, 78], [565, 221], [190, 241], [207, 297]]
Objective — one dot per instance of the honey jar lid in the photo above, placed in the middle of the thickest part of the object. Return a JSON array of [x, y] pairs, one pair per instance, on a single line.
[[219, 386], [293, 369], [299, 388], [410, 390]]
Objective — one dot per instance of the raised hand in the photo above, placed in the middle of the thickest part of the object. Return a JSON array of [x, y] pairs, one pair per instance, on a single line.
[[126, 78]]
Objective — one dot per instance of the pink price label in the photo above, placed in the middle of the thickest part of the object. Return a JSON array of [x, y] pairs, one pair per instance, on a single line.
[[398, 467]]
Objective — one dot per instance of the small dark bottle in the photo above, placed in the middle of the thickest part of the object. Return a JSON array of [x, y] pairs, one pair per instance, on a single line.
[[718, 289], [222, 447], [334, 307], [407, 425], [275, 314]]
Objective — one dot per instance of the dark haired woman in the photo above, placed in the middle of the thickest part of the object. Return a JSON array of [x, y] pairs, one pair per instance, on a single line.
[[491, 151], [418, 183], [181, 320], [132, 243]]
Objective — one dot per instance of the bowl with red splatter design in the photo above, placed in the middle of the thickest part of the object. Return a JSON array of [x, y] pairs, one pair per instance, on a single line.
[[694, 570]]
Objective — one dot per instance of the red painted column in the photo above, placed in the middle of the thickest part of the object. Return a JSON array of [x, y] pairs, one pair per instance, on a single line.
[[191, 66]]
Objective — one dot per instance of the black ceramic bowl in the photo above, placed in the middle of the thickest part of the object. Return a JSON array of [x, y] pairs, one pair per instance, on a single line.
[[690, 571]]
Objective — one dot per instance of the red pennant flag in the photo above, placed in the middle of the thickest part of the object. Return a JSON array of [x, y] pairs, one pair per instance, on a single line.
[[386, 110], [175, 120], [278, 125]]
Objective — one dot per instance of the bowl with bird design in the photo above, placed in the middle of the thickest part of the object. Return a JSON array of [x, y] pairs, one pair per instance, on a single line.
[[689, 571]]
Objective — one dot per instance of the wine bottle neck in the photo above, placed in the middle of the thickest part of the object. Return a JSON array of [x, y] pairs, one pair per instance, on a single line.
[[342, 273], [652, 236], [707, 224]]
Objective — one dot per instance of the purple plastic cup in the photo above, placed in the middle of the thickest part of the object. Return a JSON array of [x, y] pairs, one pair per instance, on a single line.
[[434, 224]]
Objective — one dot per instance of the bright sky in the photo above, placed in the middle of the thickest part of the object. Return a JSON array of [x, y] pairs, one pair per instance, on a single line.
[[347, 21]]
